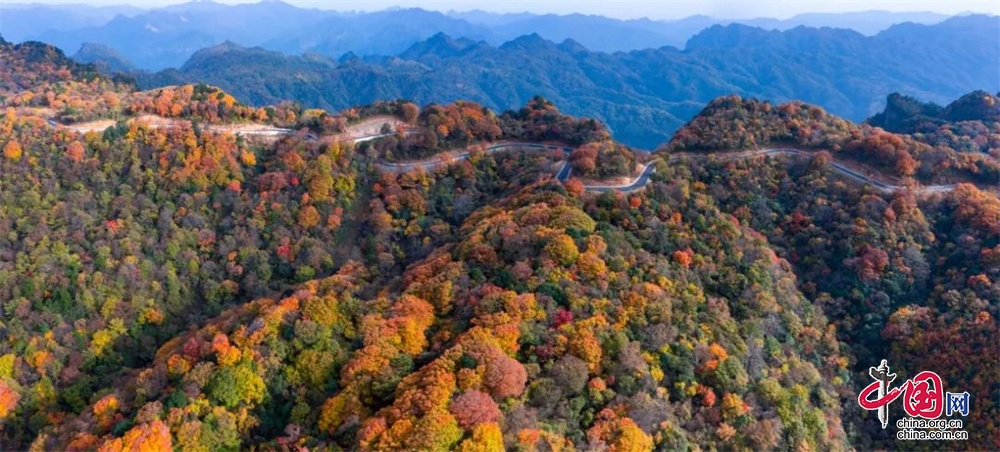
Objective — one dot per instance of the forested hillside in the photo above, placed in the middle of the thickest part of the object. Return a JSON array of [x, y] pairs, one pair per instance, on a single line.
[[115, 242], [969, 124], [734, 123], [895, 273], [904, 278], [169, 282], [528, 327]]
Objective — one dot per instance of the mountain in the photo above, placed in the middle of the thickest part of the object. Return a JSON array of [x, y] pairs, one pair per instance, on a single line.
[[166, 37], [36, 66], [642, 95], [173, 281], [106, 58], [597, 32], [26, 21], [975, 106], [163, 37], [904, 114], [379, 33], [883, 305], [439, 46], [925, 156], [970, 124], [478, 16], [865, 22], [610, 35]]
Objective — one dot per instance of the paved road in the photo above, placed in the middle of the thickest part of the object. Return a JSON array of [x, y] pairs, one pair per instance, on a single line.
[[638, 184], [372, 137], [856, 176], [275, 132], [434, 162], [643, 179], [364, 138], [565, 171], [266, 132]]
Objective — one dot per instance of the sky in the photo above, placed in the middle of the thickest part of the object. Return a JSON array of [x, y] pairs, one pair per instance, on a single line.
[[623, 9]]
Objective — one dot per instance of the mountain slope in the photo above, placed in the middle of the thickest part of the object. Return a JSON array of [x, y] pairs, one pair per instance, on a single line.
[[659, 351], [731, 123], [170, 282], [969, 124]]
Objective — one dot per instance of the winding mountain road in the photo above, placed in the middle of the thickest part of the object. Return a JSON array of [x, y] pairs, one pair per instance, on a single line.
[[638, 184], [642, 179], [362, 132], [446, 159], [562, 175], [850, 173]]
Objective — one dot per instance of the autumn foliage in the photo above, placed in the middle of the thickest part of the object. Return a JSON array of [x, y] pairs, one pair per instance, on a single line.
[[734, 123], [182, 289]]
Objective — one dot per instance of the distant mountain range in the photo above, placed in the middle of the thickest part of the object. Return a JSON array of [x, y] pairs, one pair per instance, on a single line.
[[165, 37], [642, 95], [25, 21]]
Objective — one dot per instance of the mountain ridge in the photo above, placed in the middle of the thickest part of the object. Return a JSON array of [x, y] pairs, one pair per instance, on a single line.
[[643, 94], [157, 38], [173, 283]]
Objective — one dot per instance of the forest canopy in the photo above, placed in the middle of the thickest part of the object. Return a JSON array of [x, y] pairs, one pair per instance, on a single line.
[[186, 287]]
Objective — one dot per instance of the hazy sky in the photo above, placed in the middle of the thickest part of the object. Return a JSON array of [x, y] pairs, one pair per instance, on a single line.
[[663, 9]]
